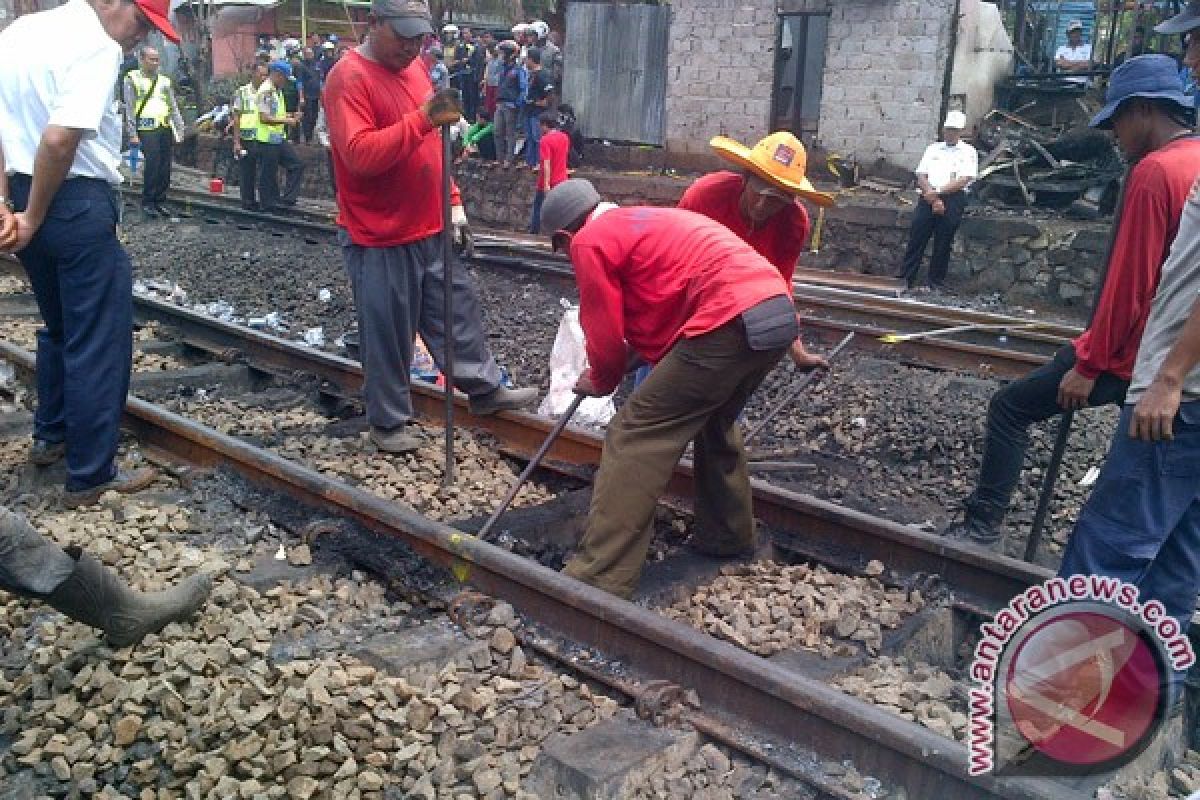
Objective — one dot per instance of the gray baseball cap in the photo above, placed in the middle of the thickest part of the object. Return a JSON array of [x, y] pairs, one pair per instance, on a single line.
[[408, 18], [566, 203], [1184, 21]]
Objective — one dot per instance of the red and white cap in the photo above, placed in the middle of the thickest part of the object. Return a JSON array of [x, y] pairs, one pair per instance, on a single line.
[[159, 14]]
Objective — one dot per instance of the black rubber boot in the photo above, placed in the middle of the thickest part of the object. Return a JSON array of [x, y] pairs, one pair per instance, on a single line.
[[95, 596]]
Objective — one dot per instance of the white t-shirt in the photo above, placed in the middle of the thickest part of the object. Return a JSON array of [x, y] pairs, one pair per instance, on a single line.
[[943, 163], [1081, 53], [59, 67]]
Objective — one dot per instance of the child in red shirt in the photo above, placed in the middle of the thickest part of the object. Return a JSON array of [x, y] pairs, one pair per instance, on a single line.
[[552, 169]]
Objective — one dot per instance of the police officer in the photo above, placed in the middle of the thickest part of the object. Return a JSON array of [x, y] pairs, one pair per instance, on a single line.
[[153, 122], [245, 135], [274, 150]]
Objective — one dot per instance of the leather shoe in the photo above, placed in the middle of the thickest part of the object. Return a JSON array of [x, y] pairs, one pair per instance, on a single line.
[[397, 440], [125, 482], [975, 529], [44, 453], [502, 399]]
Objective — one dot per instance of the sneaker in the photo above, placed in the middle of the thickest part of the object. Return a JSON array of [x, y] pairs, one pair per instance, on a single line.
[[502, 399], [123, 482], [44, 453], [975, 529], [397, 440]]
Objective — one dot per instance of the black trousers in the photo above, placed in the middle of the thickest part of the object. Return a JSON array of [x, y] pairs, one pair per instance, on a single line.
[[942, 228], [308, 123], [1011, 412], [270, 158], [156, 148], [248, 174]]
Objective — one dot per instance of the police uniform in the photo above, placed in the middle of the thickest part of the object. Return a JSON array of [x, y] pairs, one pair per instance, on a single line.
[[245, 104], [274, 151], [152, 115]]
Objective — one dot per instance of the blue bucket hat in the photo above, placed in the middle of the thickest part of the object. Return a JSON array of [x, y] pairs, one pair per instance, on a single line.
[[281, 66], [1151, 76]]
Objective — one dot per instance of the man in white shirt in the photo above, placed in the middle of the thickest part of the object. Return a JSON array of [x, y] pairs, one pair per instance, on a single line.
[[60, 141], [946, 169], [1075, 55]]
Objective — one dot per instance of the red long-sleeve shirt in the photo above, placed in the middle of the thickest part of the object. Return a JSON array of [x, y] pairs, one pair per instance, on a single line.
[[1155, 194], [651, 276], [387, 157], [780, 241]]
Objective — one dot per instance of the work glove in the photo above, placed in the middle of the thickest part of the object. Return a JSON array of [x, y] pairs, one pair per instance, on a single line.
[[444, 108], [463, 239]]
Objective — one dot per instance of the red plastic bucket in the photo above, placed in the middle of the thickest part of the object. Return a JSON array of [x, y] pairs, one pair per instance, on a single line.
[[216, 186]]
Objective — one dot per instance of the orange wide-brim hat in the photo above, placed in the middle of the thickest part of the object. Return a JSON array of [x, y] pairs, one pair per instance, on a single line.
[[779, 159]]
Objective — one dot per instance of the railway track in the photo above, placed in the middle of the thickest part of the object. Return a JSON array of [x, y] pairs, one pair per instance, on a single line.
[[1000, 345], [788, 702]]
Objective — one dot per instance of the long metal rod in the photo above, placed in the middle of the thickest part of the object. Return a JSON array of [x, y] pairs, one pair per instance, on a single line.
[[448, 306], [531, 466], [1048, 481], [795, 392]]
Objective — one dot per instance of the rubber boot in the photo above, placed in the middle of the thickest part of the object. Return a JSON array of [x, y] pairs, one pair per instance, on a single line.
[[95, 596]]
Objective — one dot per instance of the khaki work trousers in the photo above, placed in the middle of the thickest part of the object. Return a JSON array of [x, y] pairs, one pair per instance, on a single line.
[[694, 394]]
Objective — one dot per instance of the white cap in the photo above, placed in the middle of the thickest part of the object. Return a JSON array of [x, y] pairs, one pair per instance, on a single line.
[[956, 120], [1074, 25], [540, 28], [449, 29], [519, 28]]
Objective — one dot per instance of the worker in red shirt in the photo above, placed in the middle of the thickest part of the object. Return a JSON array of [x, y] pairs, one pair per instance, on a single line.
[[684, 293], [552, 166], [1153, 129], [383, 119], [761, 202]]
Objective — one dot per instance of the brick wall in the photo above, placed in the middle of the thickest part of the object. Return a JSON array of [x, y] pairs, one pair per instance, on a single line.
[[885, 67], [719, 71]]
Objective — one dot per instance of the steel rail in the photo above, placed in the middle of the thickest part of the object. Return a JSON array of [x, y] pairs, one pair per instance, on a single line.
[[496, 248], [819, 529], [773, 699]]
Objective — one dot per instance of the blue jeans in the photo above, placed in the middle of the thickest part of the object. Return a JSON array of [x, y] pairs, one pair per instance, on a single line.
[[1142, 521], [535, 221], [83, 283], [533, 134]]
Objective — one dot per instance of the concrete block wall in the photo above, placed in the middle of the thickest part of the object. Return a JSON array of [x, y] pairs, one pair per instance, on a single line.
[[719, 72], [885, 68]]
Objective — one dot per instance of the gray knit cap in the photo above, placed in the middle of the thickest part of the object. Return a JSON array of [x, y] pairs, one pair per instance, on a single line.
[[567, 202]]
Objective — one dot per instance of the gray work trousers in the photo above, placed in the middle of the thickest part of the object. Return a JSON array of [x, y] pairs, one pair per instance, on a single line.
[[30, 564], [398, 293], [504, 132]]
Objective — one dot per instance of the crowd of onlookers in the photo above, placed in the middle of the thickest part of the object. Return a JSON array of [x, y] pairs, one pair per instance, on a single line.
[[511, 90]]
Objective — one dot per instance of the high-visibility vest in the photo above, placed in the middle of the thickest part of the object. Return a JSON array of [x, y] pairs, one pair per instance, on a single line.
[[267, 133], [247, 106], [156, 110]]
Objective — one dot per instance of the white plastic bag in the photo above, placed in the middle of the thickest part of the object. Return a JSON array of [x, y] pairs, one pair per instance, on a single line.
[[568, 360]]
